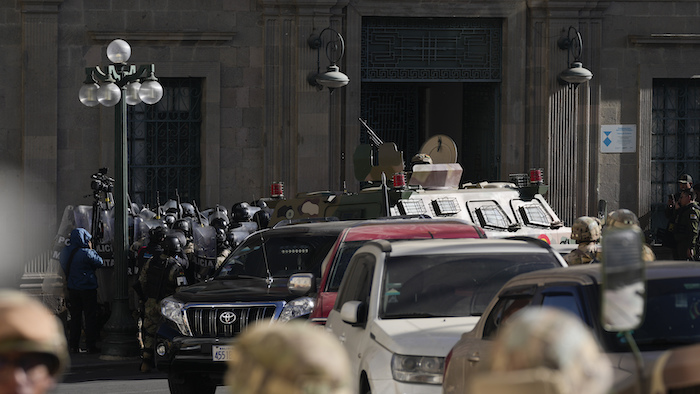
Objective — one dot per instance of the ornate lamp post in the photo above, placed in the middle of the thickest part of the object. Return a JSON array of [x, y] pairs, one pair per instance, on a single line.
[[120, 83]]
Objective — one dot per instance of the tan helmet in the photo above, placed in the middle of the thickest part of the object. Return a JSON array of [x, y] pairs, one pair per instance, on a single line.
[[28, 326], [421, 158], [622, 218], [544, 345], [288, 358], [585, 229]]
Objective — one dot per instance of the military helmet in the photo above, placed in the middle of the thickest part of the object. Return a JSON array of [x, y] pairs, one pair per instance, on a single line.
[[549, 339], [262, 218], [28, 326], [172, 207], [184, 226], [622, 218], [188, 210], [171, 245], [585, 229], [289, 358], [241, 212], [157, 234]]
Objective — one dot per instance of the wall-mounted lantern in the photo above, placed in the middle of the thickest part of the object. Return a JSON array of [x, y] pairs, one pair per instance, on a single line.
[[335, 50], [576, 73]]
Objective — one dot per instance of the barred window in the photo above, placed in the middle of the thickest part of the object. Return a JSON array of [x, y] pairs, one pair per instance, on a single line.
[[164, 144]]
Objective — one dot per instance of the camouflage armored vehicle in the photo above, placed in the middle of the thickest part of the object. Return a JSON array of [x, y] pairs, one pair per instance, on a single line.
[[503, 209]]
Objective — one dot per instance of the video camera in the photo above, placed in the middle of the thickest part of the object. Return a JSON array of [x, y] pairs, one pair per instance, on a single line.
[[101, 182]]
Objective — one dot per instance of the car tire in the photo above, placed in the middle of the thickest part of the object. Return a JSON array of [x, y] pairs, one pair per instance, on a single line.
[[184, 383]]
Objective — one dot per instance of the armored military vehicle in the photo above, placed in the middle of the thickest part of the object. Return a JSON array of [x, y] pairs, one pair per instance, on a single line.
[[432, 188]]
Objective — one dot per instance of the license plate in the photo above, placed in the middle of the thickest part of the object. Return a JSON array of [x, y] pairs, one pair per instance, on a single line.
[[221, 353]]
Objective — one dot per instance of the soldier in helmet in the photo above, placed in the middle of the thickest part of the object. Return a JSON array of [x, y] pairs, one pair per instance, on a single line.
[[543, 350], [159, 278], [290, 358], [33, 350], [586, 232], [685, 226], [184, 226], [624, 218]]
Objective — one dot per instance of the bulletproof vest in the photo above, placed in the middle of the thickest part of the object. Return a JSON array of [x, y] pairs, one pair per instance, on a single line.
[[152, 250], [163, 277]]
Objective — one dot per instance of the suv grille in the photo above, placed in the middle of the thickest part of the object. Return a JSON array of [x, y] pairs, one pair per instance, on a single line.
[[228, 320]]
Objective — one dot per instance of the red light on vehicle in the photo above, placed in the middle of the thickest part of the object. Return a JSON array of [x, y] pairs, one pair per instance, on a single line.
[[536, 175], [399, 180], [277, 190]]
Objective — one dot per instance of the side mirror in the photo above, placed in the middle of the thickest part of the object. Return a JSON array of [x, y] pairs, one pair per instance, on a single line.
[[300, 284], [624, 285], [354, 312]]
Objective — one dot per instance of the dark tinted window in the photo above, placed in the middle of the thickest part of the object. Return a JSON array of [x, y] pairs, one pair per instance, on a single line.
[[340, 265], [358, 281], [565, 301], [505, 308], [672, 316], [451, 285], [285, 255]]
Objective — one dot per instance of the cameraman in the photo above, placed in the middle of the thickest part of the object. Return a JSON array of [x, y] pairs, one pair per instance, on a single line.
[[79, 262]]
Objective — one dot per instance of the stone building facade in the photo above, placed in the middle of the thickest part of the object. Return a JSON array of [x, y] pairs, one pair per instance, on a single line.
[[261, 121]]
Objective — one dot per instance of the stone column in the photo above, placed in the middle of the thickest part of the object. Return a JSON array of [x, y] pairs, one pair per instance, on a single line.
[[39, 113]]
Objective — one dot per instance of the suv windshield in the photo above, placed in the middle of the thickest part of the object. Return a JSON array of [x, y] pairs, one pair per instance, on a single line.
[[285, 255], [451, 285], [672, 316]]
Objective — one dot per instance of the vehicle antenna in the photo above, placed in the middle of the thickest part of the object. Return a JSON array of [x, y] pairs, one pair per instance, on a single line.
[[269, 279]]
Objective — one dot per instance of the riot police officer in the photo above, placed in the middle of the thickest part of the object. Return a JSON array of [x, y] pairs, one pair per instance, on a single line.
[[586, 232], [184, 226], [160, 277]]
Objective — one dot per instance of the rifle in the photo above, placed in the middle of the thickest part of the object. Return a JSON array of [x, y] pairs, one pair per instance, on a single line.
[[158, 208], [199, 214], [372, 135], [179, 206]]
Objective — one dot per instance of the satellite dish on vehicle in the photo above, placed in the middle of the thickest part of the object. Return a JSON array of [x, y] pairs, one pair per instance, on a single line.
[[441, 148]]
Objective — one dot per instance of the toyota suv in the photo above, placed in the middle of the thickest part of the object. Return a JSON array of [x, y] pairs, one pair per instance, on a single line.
[[269, 276], [352, 238], [402, 305]]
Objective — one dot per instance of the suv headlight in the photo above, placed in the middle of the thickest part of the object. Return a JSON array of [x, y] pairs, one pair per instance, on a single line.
[[417, 369], [295, 308], [174, 311]]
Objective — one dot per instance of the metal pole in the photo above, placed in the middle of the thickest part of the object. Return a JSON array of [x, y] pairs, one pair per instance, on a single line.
[[120, 340]]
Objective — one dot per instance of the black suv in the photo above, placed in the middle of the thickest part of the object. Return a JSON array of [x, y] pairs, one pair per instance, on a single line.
[[268, 276]]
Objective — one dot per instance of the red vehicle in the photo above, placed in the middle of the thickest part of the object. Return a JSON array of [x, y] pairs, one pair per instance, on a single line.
[[352, 238]]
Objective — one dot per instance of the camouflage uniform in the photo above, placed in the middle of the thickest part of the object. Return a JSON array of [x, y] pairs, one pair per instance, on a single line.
[[624, 218], [586, 253], [221, 256], [586, 232], [159, 278], [685, 230]]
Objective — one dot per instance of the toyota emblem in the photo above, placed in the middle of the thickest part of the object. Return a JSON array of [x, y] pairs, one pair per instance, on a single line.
[[227, 317]]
